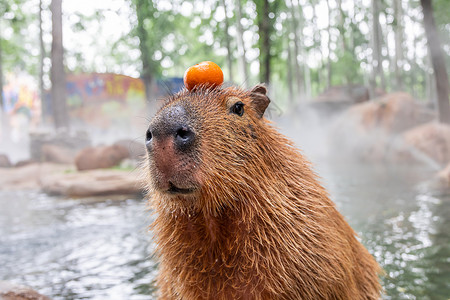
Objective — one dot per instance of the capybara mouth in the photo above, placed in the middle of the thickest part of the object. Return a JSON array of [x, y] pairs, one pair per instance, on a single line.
[[176, 190]]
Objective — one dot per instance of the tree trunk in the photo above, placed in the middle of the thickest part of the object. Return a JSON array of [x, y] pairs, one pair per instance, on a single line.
[[329, 47], [398, 61], [144, 10], [241, 46], [377, 56], [228, 44], [438, 61], [341, 26], [290, 73], [1, 74], [42, 55], [296, 53], [58, 75], [262, 8]]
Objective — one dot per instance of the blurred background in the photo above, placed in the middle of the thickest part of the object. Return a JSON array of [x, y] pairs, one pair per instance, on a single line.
[[361, 86]]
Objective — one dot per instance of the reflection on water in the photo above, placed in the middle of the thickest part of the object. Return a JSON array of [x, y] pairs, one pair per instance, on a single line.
[[70, 250], [78, 249]]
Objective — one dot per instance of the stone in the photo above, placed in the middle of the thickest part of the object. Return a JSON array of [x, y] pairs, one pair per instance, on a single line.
[[74, 141], [353, 93], [432, 139], [4, 161], [136, 149], [444, 176], [392, 113], [29, 176], [57, 154], [93, 183], [100, 157], [12, 291]]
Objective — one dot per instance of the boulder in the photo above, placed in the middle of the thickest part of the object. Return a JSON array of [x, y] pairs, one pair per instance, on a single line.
[[444, 176], [4, 161], [100, 157], [353, 93], [432, 139], [93, 183], [12, 291], [135, 149], [25, 162], [372, 131], [57, 154], [73, 141], [393, 113], [29, 176]]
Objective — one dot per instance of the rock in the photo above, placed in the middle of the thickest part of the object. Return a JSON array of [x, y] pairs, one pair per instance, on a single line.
[[67, 140], [444, 176], [372, 131], [57, 154], [346, 93], [29, 176], [432, 139], [393, 113], [25, 162], [93, 183], [4, 161], [100, 157], [136, 149], [11, 291]]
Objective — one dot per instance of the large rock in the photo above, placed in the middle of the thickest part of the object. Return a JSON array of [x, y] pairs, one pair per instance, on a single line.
[[70, 142], [4, 161], [373, 130], [346, 93], [393, 113], [93, 183], [432, 139], [11, 291], [29, 176], [135, 149], [57, 154], [100, 157], [444, 176]]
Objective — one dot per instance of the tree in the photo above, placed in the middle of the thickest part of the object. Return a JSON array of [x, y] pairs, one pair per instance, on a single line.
[[240, 44], [264, 44], [228, 43], [144, 12], [58, 75], [377, 40], [1, 73], [42, 56], [437, 60], [398, 57]]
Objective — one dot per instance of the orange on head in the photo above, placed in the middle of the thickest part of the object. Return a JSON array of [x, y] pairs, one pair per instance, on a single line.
[[205, 73]]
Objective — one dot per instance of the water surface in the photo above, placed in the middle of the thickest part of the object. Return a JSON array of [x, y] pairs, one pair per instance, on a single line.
[[85, 249]]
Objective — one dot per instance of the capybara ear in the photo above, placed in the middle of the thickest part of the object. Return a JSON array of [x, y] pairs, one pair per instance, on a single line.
[[259, 100]]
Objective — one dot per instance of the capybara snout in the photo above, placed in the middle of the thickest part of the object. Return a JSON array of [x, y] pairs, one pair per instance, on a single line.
[[172, 123]]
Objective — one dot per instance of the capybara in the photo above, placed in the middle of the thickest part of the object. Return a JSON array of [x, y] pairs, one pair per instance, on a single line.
[[239, 214]]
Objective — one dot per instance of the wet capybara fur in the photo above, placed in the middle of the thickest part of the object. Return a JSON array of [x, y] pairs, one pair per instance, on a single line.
[[239, 214]]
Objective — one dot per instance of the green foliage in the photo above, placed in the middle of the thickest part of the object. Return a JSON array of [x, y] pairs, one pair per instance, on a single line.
[[15, 38], [171, 37]]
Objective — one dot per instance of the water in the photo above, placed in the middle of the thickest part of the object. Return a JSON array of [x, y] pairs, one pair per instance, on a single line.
[[85, 249], [76, 249]]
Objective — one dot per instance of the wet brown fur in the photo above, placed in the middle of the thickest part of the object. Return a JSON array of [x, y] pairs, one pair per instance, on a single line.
[[260, 225]]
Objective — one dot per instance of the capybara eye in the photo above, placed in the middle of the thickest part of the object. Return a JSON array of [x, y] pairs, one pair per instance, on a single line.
[[238, 108], [148, 136]]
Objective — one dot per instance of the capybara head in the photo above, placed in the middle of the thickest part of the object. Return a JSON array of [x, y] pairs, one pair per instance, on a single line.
[[204, 139]]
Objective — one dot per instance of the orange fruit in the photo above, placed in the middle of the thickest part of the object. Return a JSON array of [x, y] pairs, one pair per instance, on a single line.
[[205, 73]]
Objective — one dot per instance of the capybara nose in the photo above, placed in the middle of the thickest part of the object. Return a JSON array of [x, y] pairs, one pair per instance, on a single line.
[[184, 138], [171, 123]]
